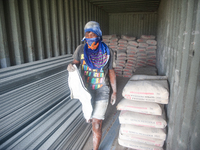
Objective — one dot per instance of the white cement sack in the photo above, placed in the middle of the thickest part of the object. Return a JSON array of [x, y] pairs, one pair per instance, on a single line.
[[133, 43], [114, 39], [129, 38], [106, 40], [121, 48], [141, 40], [151, 47], [151, 57], [147, 132], [141, 139], [113, 47], [113, 44], [148, 77], [129, 47], [131, 52], [138, 146], [127, 76], [147, 90], [141, 49], [122, 45], [151, 64], [152, 42], [140, 107], [151, 52], [148, 37], [143, 45], [133, 118], [127, 70], [122, 41]]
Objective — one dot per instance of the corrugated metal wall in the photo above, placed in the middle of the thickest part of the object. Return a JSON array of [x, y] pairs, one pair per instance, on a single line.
[[133, 24], [179, 59], [32, 30]]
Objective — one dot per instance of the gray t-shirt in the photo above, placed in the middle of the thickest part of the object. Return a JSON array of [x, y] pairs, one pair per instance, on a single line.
[[93, 78]]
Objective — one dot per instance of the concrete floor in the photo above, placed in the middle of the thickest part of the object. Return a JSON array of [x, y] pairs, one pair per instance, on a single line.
[[110, 124]]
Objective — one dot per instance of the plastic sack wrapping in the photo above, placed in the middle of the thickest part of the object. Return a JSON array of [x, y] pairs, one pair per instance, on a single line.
[[141, 139], [147, 132], [138, 119], [147, 90], [140, 107], [138, 146], [79, 91]]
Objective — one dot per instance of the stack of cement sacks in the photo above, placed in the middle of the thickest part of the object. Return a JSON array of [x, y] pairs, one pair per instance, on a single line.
[[146, 55], [111, 41], [142, 115], [131, 54]]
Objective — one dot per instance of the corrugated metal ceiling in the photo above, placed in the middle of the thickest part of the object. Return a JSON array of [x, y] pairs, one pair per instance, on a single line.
[[125, 6]]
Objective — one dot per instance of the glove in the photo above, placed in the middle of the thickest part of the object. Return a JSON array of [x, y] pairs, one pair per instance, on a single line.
[[70, 68]]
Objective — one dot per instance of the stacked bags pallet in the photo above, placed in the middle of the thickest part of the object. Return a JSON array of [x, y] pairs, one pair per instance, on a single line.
[[146, 55], [142, 117], [131, 54], [111, 41]]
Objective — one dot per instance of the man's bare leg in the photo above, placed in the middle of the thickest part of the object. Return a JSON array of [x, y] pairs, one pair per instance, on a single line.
[[97, 132]]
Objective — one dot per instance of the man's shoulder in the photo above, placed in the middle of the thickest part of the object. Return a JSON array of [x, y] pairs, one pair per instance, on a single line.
[[80, 47]]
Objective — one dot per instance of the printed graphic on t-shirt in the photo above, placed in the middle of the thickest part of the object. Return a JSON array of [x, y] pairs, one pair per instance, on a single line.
[[93, 78]]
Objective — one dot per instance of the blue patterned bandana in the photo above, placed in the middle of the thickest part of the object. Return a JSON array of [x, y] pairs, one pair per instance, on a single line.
[[96, 53]]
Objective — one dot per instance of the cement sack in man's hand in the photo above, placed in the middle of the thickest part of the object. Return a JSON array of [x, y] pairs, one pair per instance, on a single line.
[[147, 132], [136, 145], [141, 139], [140, 107], [79, 91], [147, 90], [129, 117]]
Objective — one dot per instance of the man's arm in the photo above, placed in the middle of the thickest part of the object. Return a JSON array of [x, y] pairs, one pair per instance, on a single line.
[[112, 77]]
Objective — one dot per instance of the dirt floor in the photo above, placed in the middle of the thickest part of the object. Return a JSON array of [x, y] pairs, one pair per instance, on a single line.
[[111, 124]]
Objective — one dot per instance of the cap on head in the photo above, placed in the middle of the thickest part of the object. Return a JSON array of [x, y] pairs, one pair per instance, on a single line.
[[93, 26]]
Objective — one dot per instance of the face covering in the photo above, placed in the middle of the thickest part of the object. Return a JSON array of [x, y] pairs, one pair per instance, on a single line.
[[92, 43]]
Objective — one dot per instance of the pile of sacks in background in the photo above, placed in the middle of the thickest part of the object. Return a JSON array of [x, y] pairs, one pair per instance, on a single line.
[[142, 117], [131, 54]]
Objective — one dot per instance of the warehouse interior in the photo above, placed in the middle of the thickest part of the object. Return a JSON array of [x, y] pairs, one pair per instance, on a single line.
[[33, 31]]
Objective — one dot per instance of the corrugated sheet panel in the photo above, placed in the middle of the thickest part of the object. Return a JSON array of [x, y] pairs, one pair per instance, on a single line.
[[179, 59], [36, 110], [125, 6], [36, 30], [133, 24]]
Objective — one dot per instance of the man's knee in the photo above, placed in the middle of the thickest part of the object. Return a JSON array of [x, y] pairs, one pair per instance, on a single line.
[[96, 124]]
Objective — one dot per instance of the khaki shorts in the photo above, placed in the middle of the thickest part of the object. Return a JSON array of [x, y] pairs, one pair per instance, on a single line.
[[100, 109]]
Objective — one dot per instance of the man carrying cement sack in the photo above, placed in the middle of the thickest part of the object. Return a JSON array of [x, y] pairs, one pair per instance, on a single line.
[[95, 60]]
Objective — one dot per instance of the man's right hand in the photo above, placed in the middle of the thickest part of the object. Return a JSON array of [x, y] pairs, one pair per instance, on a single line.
[[70, 68]]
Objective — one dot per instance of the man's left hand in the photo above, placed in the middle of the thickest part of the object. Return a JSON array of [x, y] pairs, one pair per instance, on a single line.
[[113, 98]]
